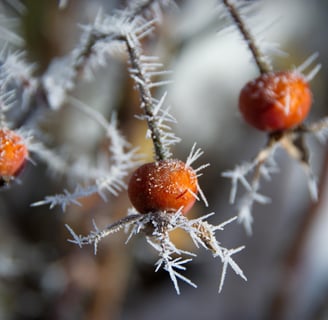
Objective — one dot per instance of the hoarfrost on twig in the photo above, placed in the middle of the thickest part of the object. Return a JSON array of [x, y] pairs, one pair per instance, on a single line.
[[171, 258], [109, 177]]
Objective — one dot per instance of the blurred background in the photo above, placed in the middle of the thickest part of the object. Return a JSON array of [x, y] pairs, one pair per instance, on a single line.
[[42, 276]]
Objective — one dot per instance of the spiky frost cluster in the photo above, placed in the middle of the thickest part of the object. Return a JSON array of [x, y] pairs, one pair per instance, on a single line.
[[157, 227], [105, 37], [250, 174], [108, 174], [171, 258], [17, 80]]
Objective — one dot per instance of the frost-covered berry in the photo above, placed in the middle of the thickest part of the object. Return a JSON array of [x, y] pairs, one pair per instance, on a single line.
[[13, 154], [276, 101], [165, 185]]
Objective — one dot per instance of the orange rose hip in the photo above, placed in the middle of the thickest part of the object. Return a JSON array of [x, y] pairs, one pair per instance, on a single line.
[[276, 101], [13, 154], [165, 185]]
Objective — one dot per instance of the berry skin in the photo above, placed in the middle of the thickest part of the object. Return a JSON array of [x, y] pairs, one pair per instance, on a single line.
[[13, 154], [165, 185], [276, 101]]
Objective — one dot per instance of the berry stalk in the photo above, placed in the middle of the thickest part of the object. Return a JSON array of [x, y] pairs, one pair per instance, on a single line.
[[143, 86], [260, 59]]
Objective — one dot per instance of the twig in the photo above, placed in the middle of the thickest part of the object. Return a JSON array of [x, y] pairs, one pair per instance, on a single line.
[[260, 59]]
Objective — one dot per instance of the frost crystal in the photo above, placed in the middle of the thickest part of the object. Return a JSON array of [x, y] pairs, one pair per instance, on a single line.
[[238, 175], [6, 23], [171, 258], [58, 80], [105, 177], [262, 166], [16, 80]]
